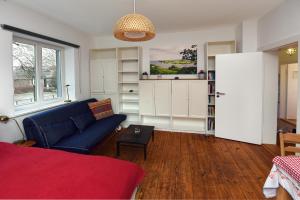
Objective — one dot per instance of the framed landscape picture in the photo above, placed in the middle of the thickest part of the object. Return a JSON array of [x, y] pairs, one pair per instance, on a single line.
[[173, 60]]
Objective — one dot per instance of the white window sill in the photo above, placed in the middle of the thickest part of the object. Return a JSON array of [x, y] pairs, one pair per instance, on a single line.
[[37, 108]]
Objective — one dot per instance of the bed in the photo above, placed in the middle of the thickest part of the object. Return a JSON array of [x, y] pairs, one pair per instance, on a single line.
[[285, 176], [28, 173]]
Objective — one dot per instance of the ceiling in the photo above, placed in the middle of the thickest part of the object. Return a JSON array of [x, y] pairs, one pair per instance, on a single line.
[[97, 17]]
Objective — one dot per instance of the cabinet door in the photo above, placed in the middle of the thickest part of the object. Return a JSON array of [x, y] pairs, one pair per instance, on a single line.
[[146, 90], [198, 98], [97, 74], [162, 97], [110, 76], [180, 107]]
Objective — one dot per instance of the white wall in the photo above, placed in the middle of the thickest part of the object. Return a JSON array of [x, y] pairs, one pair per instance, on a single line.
[[27, 19], [246, 36], [250, 35], [222, 33], [239, 38], [280, 27]]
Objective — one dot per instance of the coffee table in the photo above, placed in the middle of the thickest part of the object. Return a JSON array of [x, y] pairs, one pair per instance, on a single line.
[[140, 140]]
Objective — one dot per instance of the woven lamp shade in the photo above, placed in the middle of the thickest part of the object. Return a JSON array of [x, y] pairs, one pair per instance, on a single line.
[[134, 27]]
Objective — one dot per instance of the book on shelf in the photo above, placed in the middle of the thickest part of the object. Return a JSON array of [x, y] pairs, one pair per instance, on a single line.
[[211, 111], [211, 76], [211, 124], [211, 100], [211, 88]]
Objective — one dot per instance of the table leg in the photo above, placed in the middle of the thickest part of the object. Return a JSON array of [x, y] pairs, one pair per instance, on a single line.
[[145, 152], [152, 136], [118, 149]]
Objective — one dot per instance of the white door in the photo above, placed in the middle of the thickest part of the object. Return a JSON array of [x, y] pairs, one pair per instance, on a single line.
[[239, 81], [180, 98], [292, 91], [283, 91], [198, 98], [110, 76], [146, 90], [162, 97], [97, 76]]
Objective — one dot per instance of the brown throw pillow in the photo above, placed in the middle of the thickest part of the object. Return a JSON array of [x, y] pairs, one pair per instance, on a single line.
[[101, 109]]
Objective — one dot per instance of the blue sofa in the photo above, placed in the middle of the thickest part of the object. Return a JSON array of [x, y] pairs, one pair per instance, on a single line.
[[56, 129]]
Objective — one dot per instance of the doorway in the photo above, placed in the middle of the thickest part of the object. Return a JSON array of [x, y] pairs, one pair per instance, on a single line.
[[288, 89]]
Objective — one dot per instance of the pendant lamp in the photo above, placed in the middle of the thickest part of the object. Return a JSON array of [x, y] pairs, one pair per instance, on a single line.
[[134, 27]]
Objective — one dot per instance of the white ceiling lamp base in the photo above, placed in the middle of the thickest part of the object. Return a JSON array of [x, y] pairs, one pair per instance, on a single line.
[[134, 27]]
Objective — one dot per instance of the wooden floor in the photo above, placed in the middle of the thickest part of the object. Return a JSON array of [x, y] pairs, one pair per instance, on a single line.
[[185, 166]]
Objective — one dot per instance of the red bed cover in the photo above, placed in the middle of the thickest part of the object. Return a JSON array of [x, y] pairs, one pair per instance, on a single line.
[[27, 172]]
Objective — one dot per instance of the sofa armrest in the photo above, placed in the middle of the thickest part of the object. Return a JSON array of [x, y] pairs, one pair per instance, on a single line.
[[33, 132]]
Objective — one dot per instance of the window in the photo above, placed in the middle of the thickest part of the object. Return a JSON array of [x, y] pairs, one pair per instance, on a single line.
[[37, 72]]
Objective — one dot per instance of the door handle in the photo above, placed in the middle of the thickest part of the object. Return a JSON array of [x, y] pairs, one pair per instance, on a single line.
[[220, 94]]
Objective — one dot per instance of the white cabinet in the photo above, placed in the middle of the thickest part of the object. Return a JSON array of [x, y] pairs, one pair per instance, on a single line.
[[97, 76], [179, 105], [197, 98], [110, 75], [162, 97], [180, 99], [189, 98], [104, 75], [146, 89]]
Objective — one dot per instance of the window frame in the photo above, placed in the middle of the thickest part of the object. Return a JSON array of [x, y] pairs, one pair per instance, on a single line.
[[40, 101]]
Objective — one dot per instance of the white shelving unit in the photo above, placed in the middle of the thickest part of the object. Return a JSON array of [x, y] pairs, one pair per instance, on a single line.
[[114, 74], [213, 49], [128, 80]]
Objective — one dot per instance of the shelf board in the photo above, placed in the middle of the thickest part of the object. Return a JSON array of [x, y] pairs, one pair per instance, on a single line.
[[210, 132], [211, 56], [158, 125], [127, 123], [211, 70], [212, 94], [130, 111], [211, 104], [129, 82], [211, 80], [211, 116], [197, 117], [128, 71], [129, 59], [188, 128], [127, 92], [129, 101]]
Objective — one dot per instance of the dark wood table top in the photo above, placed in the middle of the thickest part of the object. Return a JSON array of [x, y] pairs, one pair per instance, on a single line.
[[131, 137]]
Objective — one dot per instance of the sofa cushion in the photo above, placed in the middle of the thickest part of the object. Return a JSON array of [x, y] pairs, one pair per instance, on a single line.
[[101, 109], [58, 130], [84, 141], [83, 121]]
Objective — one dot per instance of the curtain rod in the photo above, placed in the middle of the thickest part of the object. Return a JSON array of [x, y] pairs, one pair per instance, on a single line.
[[44, 37]]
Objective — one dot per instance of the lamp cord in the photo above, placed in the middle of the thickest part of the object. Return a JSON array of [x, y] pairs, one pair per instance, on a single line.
[[19, 127], [134, 6]]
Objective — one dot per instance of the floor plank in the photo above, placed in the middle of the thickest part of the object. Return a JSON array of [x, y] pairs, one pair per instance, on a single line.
[[192, 166]]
